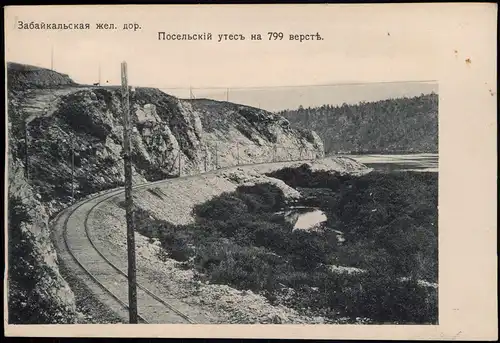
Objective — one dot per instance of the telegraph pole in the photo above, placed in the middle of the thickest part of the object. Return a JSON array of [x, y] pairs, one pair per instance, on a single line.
[[72, 173], [132, 285], [238, 152], [216, 159], [52, 58], [206, 158], [26, 154], [180, 161]]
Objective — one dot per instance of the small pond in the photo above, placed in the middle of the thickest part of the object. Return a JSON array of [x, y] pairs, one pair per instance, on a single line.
[[307, 218], [303, 218]]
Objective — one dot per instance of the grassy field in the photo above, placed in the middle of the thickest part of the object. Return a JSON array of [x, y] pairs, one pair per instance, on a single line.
[[389, 223]]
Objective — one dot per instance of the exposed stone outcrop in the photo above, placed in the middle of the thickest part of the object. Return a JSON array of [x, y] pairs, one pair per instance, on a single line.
[[170, 136], [38, 294]]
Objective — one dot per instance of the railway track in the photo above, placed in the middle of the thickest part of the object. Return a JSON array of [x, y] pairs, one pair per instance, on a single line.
[[110, 281], [139, 286], [95, 279], [106, 280]]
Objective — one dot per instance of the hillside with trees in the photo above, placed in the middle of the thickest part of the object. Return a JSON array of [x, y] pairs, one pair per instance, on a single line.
[[386, 126]]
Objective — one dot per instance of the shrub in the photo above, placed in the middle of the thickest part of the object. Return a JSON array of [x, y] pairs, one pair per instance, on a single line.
[[272, 236], [385, 299], [308, 249], [223, 207], [177, 246], [262, 197], [244, 267]]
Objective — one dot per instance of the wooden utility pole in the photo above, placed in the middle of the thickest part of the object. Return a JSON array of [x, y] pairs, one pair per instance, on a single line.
[[216, 158], [26, 152], [72, 173], [206, 155], [180, 151], [238, 152], [52, 58], [132, 285]]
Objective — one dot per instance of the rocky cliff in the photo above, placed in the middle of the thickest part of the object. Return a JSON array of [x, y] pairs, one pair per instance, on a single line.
[[66, 139], [67, 125], [38, 294]]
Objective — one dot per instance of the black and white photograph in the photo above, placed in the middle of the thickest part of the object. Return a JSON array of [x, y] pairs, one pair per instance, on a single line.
[[162, 171]]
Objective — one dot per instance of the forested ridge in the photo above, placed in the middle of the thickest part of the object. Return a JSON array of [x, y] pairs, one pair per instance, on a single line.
[[392, 125]]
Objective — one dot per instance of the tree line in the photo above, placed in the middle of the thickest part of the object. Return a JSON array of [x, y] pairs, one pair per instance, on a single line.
[[392, 125]]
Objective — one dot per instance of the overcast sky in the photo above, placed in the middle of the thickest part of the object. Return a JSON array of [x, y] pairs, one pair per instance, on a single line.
[[383, 50], [279, 98]]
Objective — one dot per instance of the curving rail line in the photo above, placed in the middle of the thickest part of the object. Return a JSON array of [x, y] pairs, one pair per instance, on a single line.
[[87, 256], [65, 235], [144, 295], [139, 286]]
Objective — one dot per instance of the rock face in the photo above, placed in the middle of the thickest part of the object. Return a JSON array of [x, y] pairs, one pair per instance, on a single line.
[[255, 135], [37, 292], [69, 138], [170, 136]]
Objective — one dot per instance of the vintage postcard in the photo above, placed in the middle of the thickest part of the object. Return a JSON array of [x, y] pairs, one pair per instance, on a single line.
[[261, 171]]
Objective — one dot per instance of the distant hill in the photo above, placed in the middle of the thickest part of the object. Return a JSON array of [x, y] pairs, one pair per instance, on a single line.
[[22, 76], [394, 125]]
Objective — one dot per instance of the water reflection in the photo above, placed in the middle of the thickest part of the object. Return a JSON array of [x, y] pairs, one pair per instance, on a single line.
[[303, 218], [394, 163], [308, 218]]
